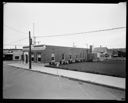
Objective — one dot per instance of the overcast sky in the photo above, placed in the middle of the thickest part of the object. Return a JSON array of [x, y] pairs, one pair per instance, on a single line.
[[65, 18]]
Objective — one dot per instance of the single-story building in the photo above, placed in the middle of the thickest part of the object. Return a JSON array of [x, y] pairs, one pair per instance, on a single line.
[[12, 54], [46, 53]]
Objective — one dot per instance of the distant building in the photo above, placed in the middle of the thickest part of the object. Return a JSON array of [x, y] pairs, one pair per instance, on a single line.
[[46, 53], [12, 54], [118, 52], [101, 53]]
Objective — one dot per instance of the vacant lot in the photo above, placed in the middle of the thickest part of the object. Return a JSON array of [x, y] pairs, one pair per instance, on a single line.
[[111, 68]]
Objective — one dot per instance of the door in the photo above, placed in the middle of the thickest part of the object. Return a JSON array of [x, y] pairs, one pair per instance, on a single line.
[[26, 58]]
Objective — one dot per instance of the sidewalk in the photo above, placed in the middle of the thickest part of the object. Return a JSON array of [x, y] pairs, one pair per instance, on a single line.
[[89, 77]]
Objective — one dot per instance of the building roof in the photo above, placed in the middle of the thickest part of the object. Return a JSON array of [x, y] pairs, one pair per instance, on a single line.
[[53, 46], [12, 49], [99, 49]]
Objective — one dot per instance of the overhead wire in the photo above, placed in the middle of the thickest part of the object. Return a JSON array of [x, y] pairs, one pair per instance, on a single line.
[[68, 34], [17, 40], [14, 29]]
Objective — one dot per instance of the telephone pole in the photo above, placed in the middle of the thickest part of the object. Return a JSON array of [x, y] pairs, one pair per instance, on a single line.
[[34, 38], [30, 43]]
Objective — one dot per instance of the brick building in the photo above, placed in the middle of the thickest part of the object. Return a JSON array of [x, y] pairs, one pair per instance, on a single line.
[[43, 53]]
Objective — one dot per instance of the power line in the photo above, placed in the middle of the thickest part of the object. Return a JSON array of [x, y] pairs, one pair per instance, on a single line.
[[18, 40], [82, 32], [14, 29], [68, 34]]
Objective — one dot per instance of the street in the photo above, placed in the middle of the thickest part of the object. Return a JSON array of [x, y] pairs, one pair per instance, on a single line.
[[26, 84]]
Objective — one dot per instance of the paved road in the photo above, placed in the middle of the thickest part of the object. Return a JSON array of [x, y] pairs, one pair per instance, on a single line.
[[20, 83]]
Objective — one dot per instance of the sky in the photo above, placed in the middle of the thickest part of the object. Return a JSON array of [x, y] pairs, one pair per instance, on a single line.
[[43, 19]]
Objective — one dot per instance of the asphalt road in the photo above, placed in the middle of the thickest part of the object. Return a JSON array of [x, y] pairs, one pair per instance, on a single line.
[[24, 84]]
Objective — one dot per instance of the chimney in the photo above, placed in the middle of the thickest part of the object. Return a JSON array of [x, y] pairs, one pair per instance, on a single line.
[[90, 48]]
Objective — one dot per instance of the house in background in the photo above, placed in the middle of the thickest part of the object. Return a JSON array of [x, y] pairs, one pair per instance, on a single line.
[[119, 52], [101, 53], [12, 54]]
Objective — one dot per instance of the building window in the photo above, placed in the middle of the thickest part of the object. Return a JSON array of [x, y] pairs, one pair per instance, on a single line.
[[16, 57], [52, 56], [32, 57], [39, 57], [102, 55], [22, 57]]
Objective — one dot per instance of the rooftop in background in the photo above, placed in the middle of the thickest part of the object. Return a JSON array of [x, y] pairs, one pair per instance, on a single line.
[[99, 49], [11, 50]]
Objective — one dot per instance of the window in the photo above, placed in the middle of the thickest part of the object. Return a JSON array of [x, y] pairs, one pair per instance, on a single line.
[[32, 57], [39, 57], [16, 57], [102, 55], [106, 55], [53, 58]]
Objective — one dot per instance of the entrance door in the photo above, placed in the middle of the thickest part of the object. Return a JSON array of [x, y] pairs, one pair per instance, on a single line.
[[26, 58], [22, 57]]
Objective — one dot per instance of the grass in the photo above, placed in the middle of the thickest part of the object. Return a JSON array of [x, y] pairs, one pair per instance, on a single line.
[[110, 68]]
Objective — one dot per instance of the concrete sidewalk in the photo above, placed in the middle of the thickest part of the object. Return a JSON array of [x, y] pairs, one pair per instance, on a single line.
[[89, 77]]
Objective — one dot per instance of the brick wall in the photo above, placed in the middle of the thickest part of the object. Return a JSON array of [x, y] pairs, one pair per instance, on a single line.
[[58, 51]]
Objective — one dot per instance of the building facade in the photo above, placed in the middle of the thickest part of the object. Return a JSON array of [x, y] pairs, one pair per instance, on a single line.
[[12, 54], [101, 53], [44, 53]]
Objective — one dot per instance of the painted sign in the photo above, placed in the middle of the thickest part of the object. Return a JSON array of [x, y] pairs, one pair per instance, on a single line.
[[36, 48]]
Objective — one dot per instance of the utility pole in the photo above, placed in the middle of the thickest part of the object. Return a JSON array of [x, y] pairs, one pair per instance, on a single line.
[[34, 38], [30, 43], [15, 46]]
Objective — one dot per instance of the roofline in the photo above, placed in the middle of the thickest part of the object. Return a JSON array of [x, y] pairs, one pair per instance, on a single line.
[[53, 46], [12, 49]]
